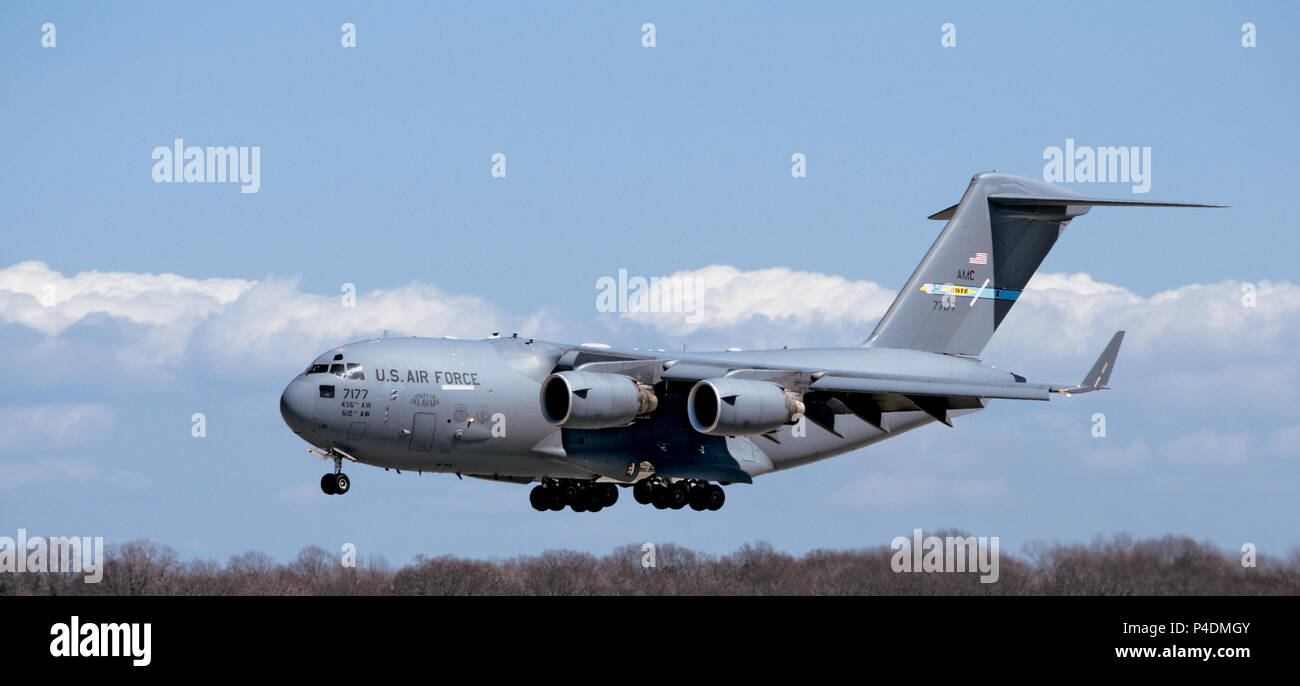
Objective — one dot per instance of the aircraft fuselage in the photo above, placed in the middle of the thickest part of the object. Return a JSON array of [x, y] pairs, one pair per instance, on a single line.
[[472, 407]]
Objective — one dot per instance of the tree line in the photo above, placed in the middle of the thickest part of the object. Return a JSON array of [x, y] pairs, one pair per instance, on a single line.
[[1172, 565]]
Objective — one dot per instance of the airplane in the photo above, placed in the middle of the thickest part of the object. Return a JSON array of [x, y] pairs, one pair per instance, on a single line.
[[582, 421]]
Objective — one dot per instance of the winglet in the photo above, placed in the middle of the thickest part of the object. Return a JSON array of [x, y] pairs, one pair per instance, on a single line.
[[1097, 377]]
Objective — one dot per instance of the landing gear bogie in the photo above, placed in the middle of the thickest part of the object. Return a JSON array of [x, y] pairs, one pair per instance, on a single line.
[[699, 495], [579, 496], [590, 496]]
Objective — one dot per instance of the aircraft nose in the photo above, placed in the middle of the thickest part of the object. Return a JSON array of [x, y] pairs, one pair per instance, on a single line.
[[296, 405]]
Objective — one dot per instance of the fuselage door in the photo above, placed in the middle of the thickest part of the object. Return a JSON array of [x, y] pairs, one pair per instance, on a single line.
[[327, 403], [422, 431]]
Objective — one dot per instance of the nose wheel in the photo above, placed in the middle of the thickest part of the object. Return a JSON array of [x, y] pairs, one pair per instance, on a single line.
[[337, 483]]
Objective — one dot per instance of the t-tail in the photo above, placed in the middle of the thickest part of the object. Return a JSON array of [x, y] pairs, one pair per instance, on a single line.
[[978, 266]]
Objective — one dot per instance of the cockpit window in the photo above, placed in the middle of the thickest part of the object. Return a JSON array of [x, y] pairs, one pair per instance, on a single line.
[[351, 371]]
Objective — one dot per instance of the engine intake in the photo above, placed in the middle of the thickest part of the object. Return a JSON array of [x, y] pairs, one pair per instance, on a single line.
[[740, 407], [594, 400]]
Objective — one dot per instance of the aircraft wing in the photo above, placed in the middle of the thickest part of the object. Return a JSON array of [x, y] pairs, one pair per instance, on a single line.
[[869, 396], [668, 441], [829, 392]]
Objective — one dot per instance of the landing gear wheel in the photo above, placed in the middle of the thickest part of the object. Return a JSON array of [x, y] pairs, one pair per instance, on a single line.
[[643, 492], [341, 483], [699, 498], [540, 499], [590, 495], [678, 495], [581, 499], [327, 484], [660, 497], [716, 497], [554, 499], [608, 495]]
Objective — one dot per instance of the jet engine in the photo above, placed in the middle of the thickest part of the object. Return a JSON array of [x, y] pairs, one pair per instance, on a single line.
[[739, 407], [594, 400]]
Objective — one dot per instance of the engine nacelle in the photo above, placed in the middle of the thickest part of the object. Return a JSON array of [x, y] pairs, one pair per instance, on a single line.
[[739, 407], [594, 400]]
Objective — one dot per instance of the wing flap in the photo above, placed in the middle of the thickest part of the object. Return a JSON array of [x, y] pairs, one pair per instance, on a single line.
[[846, 384]]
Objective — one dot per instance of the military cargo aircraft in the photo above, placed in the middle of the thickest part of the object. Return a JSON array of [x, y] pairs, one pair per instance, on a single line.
[[581, 421]]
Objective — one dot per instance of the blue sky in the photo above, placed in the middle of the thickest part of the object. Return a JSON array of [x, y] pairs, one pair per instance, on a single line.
[[375, 168]]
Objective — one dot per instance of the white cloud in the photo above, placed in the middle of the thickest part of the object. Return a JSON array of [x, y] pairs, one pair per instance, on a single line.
[[1208, 447], [241, 325], [1059, 314], [1234, 381], [729, 297], [164, 322], [40, 298], [20, 474], [1196, 318], [39, 425], [275, 323]]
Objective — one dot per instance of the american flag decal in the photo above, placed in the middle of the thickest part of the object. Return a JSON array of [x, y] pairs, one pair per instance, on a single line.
[[979, 258]]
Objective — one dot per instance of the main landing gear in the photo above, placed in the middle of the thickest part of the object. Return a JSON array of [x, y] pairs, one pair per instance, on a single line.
[[589, 496], [581, 496], [700, 495], [337, 483]]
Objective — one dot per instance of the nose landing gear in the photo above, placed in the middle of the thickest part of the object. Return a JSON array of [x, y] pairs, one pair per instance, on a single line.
[[337, 483]]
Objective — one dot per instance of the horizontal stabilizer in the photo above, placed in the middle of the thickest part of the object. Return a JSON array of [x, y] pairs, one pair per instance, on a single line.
[[1013, 200], [944, 214], [1038, 200]]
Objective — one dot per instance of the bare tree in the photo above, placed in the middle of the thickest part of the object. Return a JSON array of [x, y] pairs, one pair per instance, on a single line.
[[1120, 565]]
